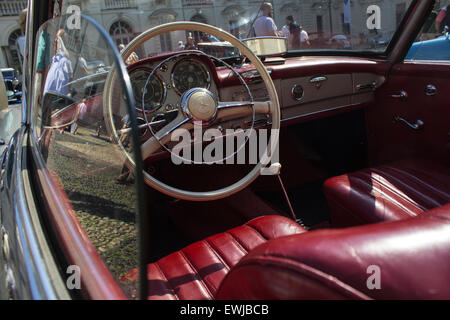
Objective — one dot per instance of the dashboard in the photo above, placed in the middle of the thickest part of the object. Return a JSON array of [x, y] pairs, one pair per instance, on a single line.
[[306, 86]]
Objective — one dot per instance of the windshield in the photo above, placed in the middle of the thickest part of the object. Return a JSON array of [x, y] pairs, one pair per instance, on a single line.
[[326, 25]]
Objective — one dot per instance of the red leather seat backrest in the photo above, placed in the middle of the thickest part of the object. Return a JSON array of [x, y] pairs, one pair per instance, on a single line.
[[407, 259]]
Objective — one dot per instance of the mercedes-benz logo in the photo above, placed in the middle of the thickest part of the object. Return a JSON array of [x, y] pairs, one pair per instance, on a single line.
[[202, 105]]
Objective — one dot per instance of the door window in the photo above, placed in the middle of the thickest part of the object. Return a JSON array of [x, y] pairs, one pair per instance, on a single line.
[[433, 41]]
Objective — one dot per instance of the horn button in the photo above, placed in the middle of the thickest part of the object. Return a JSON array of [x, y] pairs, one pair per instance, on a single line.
[[200, 104]]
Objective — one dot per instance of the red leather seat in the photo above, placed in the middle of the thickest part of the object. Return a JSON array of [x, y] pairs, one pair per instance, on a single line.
[[411, 258], [390, 192], [195, 272]]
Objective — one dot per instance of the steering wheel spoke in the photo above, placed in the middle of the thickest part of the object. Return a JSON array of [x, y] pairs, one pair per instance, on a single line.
[[242, 108], [142, 126], [163, 136]]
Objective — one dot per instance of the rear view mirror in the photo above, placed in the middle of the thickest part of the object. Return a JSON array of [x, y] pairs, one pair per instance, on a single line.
[[267, 46]]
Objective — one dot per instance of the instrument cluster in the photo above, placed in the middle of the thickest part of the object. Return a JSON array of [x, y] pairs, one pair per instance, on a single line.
[[160, 91]]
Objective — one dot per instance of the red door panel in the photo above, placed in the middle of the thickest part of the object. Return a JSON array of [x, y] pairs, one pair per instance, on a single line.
[[390, 140]]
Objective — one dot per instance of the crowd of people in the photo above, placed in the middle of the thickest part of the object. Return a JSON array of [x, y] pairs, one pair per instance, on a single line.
[[264, 26]]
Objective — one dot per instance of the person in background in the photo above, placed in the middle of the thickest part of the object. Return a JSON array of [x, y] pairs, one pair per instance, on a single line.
[[83, 64], [190, 44], [264, 25], [60, 71], [304, 37], [21, 39], [42, 62], [81, 112], [294, 36], [362, 40], [443, 20], [285, 31], [124, 140], [180, 45]]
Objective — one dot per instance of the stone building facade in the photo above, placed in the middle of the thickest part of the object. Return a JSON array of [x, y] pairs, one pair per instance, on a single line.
[[124, 19]]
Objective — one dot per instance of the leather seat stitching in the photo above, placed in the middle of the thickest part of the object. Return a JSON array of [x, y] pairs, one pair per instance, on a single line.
[[390, 199], [430, 187], [258, 232], [385, 196], [429, 174], [431, 202], [167, 283], [197, 275], [237, 241], [217, 255]]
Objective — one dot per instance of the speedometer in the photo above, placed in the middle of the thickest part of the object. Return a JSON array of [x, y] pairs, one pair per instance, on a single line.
[[188, 74], [155, 90]]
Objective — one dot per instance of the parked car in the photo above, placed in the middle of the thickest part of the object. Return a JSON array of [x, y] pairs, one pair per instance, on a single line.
[[310, 175], [12, 84], [430, 50]]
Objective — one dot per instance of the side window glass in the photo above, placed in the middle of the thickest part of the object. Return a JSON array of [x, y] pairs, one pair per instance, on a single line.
[[433, 42], [81, 155]]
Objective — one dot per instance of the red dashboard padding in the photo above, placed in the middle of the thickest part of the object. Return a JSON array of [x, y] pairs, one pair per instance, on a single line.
[[406, 259], [195, 272], [386, 193]]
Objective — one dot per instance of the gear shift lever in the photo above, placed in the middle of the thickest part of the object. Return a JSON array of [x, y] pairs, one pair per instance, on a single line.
[[276, 170]]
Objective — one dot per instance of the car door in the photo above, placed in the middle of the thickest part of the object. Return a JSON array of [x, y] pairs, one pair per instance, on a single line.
[[410, 117]]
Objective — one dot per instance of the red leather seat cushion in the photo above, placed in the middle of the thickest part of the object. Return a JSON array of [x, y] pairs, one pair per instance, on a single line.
[[386, 193], [195, 272], [411, 255]]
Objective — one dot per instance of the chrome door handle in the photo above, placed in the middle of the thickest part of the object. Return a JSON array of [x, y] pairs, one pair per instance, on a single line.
[[430, 90], [402, 96], [317, 81], [368, 86], [415, 126]]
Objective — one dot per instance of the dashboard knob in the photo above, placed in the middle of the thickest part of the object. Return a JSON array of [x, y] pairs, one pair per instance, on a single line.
[[297, 92]]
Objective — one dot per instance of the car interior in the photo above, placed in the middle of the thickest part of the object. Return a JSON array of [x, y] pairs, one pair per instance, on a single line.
[[362, 177]]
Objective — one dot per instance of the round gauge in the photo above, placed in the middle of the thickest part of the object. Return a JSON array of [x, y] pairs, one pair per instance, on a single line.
[[154, 92], [188, 74]]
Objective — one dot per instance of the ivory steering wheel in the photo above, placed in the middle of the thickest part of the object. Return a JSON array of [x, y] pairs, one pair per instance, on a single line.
[[190, 112]]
